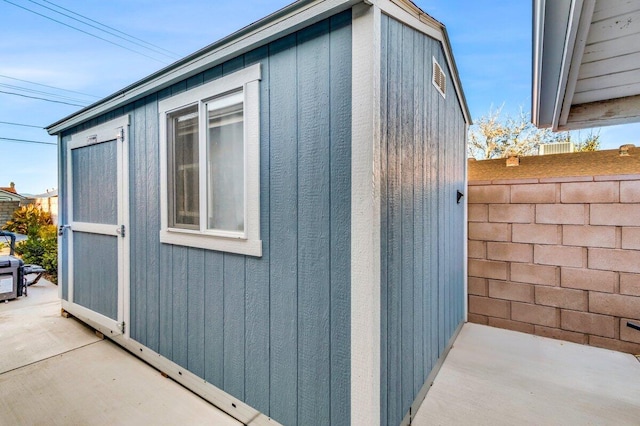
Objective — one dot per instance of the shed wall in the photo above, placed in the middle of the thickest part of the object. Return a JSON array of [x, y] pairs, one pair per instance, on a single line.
[[422, 167], [272, 331]]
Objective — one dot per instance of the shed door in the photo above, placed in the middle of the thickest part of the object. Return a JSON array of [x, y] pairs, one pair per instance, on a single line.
[[98, 225]]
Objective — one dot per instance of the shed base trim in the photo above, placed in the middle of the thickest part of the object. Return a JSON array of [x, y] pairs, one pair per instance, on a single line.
[[234, 407], [415, 405]]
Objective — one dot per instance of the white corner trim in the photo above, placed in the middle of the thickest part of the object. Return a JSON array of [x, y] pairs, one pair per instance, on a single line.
[[365, 216], [465, 232]]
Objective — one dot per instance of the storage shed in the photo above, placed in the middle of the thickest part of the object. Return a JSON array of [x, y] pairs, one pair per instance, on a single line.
[[275, 221]]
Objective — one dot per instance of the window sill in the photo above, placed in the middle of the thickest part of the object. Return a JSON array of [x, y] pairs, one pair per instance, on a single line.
[[212, 242]]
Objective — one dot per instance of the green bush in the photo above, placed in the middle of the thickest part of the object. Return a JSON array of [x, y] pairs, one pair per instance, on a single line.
[[41, 248], [28, 220]]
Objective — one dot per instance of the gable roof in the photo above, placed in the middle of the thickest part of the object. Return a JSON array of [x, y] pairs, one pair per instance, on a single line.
[[285, 21], [585, 66], [7, 195], [597, 163]]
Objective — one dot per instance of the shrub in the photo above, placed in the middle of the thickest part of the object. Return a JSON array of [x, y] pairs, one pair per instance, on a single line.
[[28, 220], [41, 248]]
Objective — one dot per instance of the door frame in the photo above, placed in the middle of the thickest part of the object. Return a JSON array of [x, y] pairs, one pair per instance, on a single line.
[[118, 130]]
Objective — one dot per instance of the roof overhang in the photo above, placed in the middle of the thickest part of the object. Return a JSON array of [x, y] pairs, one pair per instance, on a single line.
[[585, 67], [287, 20]]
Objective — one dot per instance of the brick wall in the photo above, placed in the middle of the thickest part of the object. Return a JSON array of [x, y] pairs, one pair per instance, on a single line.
[[557, 257], [6, 210]]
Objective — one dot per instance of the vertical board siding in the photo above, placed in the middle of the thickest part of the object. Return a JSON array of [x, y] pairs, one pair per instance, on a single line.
[[313, 223], [422, 166], [273, 331], [95, 266]]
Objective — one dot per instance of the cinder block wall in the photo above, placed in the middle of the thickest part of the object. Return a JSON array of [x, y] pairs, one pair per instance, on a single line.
[[6, 210], [557, 257]]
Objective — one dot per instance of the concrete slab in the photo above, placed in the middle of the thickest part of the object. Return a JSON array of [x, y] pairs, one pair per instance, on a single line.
[[100, 384], [501, 377], [32, 329], [55, 371]]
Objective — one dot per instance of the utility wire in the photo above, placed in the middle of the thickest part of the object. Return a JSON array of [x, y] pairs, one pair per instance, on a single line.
[[50, 87], [85, 32], [177, 55], [21, 125], [40, 92], [27, 141], [153, 49], [42, 99]]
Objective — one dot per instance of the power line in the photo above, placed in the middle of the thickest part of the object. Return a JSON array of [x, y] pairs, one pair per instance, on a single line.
[[39, 92], [42, 99], [153, 49], [177, 55], [27, 141], [50, 87], [21, 125], [85, 32]]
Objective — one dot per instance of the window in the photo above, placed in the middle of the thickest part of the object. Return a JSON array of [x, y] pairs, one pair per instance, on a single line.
[[210, 142]]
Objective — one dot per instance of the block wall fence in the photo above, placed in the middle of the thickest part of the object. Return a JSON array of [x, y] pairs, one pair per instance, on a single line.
[[557, 257]]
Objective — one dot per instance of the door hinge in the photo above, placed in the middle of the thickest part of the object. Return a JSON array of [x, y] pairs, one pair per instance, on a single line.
[[121, 231], [120, 134], [122, 326]]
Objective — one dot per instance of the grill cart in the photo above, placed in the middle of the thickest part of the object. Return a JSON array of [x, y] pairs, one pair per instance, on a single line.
[[13, 272]]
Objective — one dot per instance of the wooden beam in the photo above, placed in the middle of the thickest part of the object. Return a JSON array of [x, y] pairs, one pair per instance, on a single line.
[[604, 113]]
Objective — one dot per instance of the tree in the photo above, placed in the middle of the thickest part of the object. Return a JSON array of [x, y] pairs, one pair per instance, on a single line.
[[495, 137], [590, 143]]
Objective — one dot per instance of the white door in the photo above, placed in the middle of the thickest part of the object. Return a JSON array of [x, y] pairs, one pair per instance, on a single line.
[[98, 225]]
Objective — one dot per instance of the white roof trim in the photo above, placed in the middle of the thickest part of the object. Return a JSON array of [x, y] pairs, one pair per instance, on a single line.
[[579, 24], [284, 22], [289, 20]]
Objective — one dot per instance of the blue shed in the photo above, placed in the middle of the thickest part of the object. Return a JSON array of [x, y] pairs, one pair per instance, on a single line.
[[274, 220]]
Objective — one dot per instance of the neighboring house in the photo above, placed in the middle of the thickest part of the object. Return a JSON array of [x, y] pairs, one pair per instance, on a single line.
[[273, 221], [554, 246], [10, 201], [585, 63]]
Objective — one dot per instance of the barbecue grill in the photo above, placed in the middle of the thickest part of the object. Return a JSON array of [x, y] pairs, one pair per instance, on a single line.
[[13, 272]]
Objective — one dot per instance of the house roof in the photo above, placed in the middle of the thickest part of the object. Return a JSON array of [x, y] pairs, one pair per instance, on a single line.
[[585, 63], [8, 195], [11, 189], [285, 21], [597, 163]]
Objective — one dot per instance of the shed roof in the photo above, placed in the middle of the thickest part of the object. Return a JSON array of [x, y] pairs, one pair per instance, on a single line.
[[287, 20], [598, 163], [585, 63]]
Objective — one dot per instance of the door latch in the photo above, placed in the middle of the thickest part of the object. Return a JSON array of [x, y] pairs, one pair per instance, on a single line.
[[120, 231], [61, 229]]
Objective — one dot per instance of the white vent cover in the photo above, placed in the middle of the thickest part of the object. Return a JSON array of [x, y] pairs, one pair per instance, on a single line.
[[439, 78], [556, 148]]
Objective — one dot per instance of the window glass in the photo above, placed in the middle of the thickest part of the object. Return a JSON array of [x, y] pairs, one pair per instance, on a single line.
[[184, 193], [225, 163]]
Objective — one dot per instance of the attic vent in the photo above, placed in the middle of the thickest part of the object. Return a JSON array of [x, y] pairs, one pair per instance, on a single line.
[[439, 79]]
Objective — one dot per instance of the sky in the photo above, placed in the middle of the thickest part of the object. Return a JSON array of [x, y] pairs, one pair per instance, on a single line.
[[491, 42]]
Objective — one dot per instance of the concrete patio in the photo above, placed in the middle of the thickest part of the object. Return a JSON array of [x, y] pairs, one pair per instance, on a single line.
[[500, 377], [55, 370]]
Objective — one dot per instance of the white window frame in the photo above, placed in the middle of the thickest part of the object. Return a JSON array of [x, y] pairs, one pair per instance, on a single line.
[[247, 242]]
